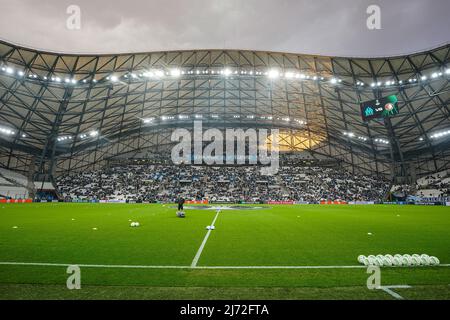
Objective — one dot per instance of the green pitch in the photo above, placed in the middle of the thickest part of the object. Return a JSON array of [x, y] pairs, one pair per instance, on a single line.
[[99, 237]]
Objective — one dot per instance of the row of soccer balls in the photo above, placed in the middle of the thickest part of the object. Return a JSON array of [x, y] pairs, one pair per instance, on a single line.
[[398, 260], [134, 224]]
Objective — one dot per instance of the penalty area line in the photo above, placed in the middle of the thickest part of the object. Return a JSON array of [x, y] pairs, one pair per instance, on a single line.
[[202, 246]]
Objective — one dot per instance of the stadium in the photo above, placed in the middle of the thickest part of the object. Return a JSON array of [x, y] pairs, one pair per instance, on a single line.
[[88, 179]]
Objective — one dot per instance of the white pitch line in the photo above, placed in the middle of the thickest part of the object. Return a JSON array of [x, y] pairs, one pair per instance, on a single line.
[[388, 290], [122, 266], [280, 267], [200, 250]]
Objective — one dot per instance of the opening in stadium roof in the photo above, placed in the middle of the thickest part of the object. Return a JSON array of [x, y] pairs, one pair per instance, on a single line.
[[333, 28]]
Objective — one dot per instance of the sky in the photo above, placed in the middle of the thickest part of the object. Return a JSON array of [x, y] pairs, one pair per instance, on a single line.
[[323, 27]]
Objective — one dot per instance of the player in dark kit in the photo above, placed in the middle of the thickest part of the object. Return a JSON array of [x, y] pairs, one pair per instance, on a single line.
[[180, 204]]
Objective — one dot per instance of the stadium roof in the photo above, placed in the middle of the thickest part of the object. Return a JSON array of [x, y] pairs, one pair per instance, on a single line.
[[62, 111]]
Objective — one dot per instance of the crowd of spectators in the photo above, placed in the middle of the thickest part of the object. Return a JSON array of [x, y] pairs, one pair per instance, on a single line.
[[165, 182]]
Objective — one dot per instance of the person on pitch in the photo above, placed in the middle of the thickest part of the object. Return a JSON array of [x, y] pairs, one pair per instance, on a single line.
[[180, 203]]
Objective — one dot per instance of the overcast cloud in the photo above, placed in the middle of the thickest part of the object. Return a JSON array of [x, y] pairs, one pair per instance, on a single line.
[[328, 27]]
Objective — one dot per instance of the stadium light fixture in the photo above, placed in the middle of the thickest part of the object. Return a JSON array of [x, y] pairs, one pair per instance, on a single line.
[[64, 138], [114, 78], [93, 133], [273, 74], [20, 73], [447, 71], [333, 80], [175, 72], [423, 78], [226, 72], [6, 131], [349, 134], [440, 134], [289, 75], [9, 70], [380, 140]]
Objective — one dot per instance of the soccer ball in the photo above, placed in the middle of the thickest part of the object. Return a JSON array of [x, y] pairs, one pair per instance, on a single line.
[[380, 261], [396, 261], [387, 261], [361, 258], [134, 224], [415, 261], [388, 256], [434, 261], [405, 261], [407, 256], [424, 261]]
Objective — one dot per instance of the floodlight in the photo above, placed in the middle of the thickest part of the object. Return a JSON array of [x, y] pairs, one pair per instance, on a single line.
[[273, 73]]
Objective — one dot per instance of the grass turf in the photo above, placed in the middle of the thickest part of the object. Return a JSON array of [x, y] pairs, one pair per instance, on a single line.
[[280, 235]]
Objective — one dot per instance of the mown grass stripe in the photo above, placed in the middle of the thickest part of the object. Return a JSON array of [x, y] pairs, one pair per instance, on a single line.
[[121, 266]]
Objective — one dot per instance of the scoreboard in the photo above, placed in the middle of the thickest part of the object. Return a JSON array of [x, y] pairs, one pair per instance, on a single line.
[[379, 108]]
